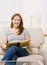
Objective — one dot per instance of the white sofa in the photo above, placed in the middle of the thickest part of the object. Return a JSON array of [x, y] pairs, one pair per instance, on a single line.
[[37, 56]]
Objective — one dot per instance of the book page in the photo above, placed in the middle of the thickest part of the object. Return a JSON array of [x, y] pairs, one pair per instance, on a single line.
[[15, 43]]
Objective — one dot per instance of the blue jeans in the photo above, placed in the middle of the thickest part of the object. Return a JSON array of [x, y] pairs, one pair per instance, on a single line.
[[13, 53]]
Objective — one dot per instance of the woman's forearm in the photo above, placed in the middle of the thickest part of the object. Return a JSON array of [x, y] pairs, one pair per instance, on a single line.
[[29, 47], [3, 47]]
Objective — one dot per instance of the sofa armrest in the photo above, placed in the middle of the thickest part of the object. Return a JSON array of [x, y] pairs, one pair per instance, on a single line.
[[35, 51], [1, 51]]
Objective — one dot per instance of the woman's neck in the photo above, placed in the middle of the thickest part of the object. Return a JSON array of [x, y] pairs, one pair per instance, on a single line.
[[15, 30], [15, 27]]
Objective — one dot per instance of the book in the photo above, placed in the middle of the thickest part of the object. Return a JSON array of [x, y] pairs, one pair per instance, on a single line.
[[17, 43]]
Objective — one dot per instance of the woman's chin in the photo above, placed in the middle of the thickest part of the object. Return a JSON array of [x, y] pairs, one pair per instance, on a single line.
[[16, 26]]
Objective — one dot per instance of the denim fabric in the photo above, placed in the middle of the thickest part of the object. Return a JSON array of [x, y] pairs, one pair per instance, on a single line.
[[13, 53]]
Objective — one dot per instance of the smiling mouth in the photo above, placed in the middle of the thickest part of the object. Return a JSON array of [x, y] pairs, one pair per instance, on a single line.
[[16, 23]]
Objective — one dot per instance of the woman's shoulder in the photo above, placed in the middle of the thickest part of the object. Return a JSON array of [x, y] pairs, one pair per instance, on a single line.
[[8, 31], [26, 32]]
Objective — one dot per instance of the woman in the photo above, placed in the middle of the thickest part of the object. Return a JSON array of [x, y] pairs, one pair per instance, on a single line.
[[16, 32]]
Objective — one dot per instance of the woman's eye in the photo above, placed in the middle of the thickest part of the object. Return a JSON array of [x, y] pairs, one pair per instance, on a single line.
[[17, 19]]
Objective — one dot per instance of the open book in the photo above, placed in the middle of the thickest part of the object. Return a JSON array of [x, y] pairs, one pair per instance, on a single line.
[[17, 43]]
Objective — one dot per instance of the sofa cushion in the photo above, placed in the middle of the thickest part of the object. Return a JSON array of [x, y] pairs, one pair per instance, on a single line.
[[28, 58], [37, 37]]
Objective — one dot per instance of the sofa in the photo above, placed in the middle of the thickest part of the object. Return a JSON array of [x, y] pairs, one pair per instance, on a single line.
[[37, 54]]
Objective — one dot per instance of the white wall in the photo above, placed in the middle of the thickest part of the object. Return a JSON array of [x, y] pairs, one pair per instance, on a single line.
[[34, 12], [8, 7], [44, 16], [29, 9], [44, 13]]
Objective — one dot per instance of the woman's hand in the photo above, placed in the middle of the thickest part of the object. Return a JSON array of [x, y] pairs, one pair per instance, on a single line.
[[3, 47], [3, 43]]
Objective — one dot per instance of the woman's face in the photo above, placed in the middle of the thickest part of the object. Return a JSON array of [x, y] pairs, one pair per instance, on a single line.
[[16, 21]]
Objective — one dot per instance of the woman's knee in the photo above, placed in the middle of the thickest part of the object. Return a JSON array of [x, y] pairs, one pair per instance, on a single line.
[[13, 48]]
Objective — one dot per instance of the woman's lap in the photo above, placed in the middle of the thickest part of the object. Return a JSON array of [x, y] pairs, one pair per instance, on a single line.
[[13, 52]]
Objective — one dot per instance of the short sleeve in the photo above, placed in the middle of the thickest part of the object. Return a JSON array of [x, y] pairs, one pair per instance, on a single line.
[[6, 33], [26, 32]]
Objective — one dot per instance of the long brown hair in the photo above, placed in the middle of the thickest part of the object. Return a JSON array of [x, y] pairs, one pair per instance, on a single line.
[[21, 28]]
